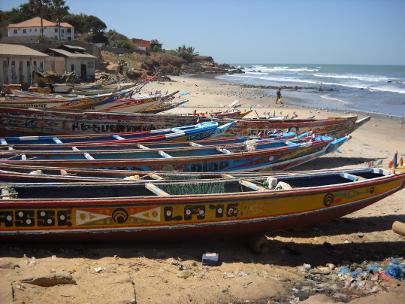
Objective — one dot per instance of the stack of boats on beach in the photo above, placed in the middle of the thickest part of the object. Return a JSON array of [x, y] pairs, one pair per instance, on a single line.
[[91, 175], [119, 97]]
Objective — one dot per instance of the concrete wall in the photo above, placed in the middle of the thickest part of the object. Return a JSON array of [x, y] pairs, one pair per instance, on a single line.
[[74, 65], [18, 69], [49, 32], [55, 64]]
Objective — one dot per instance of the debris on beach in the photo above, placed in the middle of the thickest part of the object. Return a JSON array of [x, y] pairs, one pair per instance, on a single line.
[[347, 282]]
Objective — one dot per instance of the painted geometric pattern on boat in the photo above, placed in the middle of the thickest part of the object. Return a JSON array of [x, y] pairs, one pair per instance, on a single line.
[[127, 214]]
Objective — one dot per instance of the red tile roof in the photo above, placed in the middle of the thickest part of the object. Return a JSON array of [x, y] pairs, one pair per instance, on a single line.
[[36, 22], [141, 42]]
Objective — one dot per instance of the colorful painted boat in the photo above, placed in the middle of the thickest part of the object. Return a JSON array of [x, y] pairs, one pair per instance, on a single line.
[[31, 121], [164, 106], [274, 155], [233, 114], [11, 173], [69, 142], [167, 210], [334, 126], [139, 140], [75, 103], [136, 104]]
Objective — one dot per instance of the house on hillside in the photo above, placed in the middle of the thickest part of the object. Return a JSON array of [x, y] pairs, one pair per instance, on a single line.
[[141, 44], [17, 63], [32, 27], [77, 60]]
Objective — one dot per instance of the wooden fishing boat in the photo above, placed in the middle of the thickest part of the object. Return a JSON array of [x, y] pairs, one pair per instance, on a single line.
[[163, 106], [115, 144], [77, 92], [274, 155], [11, 173], [69, 142], [32, 121], [233, 113], [334, 126], [136, 104], [168, 210], [155, 139], [74, 103], [37, 174]]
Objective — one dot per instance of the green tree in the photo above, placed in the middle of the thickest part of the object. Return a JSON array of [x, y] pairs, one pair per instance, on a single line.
[[58, 10], [187, 53], [39, 8], [95, 24], [155, 45]]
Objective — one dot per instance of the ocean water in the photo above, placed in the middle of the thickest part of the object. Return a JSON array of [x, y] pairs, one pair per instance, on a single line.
[[362, 88]]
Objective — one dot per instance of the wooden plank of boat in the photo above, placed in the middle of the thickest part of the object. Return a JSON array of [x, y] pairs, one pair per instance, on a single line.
[[63, 122], [72, 103], [136, 104], [183, 209], [38, 174], [192, 132], [334, 126], [221, 141], [271, 156]]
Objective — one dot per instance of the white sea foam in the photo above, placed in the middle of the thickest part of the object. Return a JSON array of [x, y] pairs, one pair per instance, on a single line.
[[327, 97], [254, 73], [367, 78], [276, 69], [390, 89], [294, 80]]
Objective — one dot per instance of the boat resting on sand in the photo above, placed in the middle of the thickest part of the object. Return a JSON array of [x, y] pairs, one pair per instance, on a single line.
[[278, 155], [75, 103], [136, 103], [69, 142], [155, 139], [333, 126], [19, 174], [192, 209], [32, 121]]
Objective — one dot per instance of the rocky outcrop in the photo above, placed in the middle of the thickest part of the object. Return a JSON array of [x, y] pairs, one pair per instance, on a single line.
[[139, 66]]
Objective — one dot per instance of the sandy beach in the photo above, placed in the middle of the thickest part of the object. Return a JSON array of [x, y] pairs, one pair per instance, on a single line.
[[171, 272]]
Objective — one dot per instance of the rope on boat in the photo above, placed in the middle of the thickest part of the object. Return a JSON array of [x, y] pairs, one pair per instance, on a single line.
[[8, 192], [193, 188], [273, 184]]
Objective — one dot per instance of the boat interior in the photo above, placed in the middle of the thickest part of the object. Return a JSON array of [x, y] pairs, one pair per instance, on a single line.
[[144, 152], [27, 140], [190, 187], [127, 146]]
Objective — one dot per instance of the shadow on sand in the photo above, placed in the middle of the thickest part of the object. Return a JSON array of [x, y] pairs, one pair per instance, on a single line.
[[231, 250]]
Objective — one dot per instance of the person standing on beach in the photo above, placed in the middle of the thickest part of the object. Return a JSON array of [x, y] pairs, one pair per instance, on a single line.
[[279, 98]]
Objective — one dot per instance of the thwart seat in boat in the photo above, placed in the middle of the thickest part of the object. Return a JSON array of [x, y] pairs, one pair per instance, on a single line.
[[164, 209]]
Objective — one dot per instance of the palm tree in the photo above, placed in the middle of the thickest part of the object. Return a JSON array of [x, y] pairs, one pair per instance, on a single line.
[[38, 7], [59, 9]]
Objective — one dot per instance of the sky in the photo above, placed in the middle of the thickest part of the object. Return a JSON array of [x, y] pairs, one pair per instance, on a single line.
[[262, 31]]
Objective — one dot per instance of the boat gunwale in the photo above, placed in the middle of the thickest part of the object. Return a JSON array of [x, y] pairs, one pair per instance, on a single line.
[[183, 159], [199, 198]]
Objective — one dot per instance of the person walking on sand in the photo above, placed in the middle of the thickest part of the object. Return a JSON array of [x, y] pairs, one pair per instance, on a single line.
[[279, 98]]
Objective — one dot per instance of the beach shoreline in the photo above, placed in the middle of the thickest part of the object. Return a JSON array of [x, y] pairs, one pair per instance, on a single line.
[[171, 271]]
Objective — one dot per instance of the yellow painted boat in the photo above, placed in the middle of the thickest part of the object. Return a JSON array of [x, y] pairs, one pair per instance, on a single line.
[[193, 208]]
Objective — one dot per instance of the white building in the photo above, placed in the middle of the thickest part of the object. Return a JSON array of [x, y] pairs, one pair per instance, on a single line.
[[32, 27], [76, 60], [17, 63]]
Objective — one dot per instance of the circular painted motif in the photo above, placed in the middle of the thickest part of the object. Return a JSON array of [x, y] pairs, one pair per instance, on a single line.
[[120, 215], [328, 199]]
